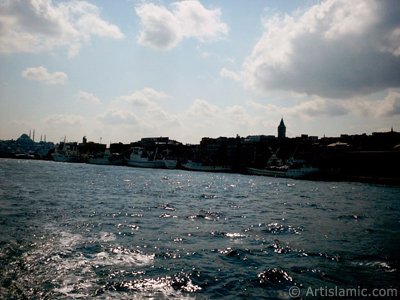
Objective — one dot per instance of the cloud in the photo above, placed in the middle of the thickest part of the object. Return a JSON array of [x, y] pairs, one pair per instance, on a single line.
[[201, 118], [163, 28], [144, 97], [150, 117], [206, 119], [118, 117], [64, 120], [85, 97], [43, 75], [309, 109], [226, 73], [389, 106], [318, 107], [36, 26], [335, 49], [202, 109]]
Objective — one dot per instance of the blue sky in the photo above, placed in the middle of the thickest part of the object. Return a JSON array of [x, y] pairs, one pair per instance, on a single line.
[[122, 70]]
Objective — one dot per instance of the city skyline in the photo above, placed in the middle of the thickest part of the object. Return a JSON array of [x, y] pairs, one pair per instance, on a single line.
[[192, 69]]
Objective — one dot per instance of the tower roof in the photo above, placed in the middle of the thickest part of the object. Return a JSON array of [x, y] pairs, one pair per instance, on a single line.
[[281, 124]]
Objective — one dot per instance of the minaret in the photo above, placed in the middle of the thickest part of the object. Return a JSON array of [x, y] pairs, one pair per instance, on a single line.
[[281, 130]]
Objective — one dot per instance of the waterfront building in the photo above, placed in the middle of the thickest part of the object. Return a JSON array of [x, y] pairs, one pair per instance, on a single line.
[[25, 146]]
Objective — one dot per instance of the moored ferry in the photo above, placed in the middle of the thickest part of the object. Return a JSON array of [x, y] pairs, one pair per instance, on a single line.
[[66, 152], [198, 166], [140, 158], [106, 158], [285, 171], [293, 168]]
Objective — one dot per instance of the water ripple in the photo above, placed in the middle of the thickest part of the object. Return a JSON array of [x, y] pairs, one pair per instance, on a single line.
[[84, 231]]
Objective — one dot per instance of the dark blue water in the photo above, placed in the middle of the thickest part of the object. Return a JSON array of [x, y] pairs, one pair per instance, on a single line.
[[86, 231]]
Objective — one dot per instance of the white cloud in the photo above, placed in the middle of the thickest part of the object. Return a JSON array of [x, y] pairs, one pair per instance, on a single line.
[[199, 22], [149, 117], [206, 119], [309, 109], [164, 28], [201, 118], [226, 73], [36, 26], [389, 106], [118, 117], [64, 120], [335, 49], [43, 75], [85, 97], [91, 24], [318, 107], [144, 97], [160, 28], [202, 109], [154, 121]]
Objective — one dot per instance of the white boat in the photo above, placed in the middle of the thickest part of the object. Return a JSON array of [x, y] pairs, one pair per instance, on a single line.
[[140, 158], [292, 169], [198, 166], [66, 152], [105, 158], [284, 171]]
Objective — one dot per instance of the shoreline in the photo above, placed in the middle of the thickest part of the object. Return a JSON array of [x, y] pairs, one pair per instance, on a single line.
[[324, 176]]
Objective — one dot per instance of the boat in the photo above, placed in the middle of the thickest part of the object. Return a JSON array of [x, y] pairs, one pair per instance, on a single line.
[[106, 158], [291, 169], [24, 155], [143, 159], [170, 160], [286, 171], [170, 163], [199, 166], [66, 152]]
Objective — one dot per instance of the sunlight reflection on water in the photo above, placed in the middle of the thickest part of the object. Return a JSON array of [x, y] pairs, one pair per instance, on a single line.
[[115, 232]]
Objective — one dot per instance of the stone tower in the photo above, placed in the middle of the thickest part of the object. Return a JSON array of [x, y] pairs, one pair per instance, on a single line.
[[281, 130]]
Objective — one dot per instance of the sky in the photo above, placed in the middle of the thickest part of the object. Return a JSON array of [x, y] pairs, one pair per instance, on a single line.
[[117, 71]]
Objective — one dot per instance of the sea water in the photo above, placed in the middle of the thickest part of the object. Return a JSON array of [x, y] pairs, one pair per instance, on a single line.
[[108, 232]]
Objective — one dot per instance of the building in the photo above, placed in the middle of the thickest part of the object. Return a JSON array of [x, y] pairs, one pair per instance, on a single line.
[[281, 130], [25, 146]]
